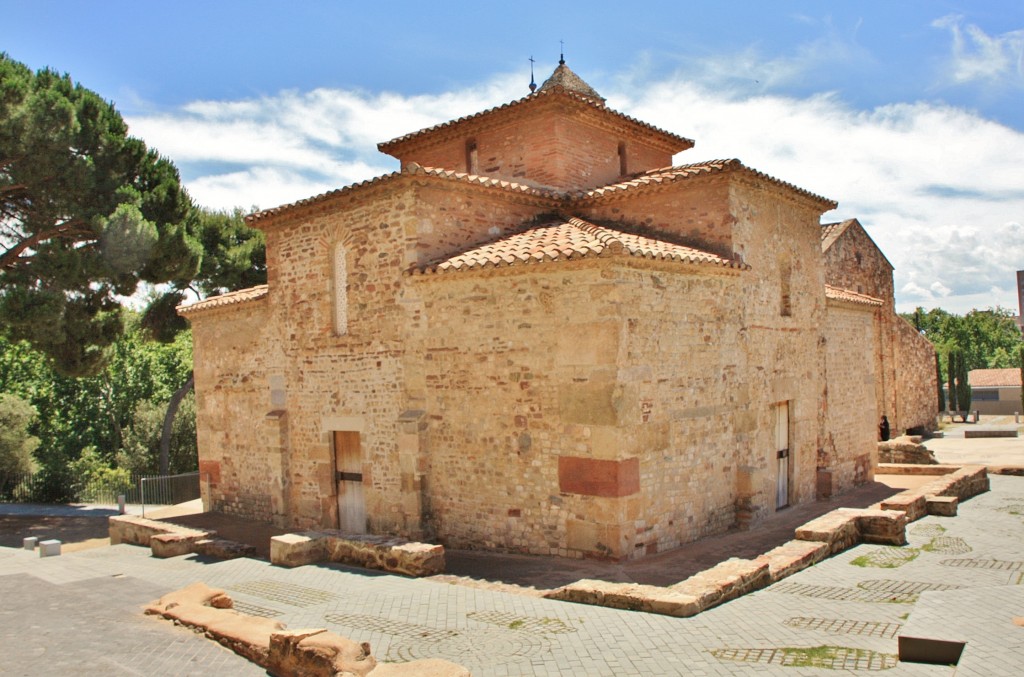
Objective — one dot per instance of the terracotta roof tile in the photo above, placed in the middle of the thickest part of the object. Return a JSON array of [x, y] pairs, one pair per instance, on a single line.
[[669, 175], [830, 232], [679, 142], [572, 238], [229, 299], [994, 378], [412, 169], [838, 294]]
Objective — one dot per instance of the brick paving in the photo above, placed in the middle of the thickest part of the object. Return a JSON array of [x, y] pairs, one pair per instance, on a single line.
[[80, 613]]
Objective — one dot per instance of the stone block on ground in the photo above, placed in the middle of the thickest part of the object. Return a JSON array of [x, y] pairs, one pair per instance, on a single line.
[[317, 652], [296, 550], [629, 596], [887, 527], [386, 553], [793, 556], [135, 530], [725, 581], [905, 449], [175, 543], [838, 531], [943, 506], [50, 548], [269, 644], [221, 548], [910, 502]]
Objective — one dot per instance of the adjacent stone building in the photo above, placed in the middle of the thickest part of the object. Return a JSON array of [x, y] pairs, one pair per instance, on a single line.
[[539, 336]]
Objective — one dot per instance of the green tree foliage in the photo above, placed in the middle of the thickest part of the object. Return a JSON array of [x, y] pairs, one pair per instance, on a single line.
[[959, 387], [1020, 362], [988, 338], [86, 213], [96, 411], [141, 451], [16, 443], [234, 258], [938, 384]]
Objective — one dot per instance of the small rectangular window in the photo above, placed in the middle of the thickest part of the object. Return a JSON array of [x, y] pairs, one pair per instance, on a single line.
[[340, 290], [472, 160], [623, 166]]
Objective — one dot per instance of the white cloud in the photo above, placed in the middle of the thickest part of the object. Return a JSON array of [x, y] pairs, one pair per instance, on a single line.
[[980, 56], [940, 189]]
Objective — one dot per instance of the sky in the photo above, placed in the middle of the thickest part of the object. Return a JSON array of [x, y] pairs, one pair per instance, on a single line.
[[909, 114]]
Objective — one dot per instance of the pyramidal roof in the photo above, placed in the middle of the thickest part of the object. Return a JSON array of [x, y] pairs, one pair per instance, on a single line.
[[567, 79]]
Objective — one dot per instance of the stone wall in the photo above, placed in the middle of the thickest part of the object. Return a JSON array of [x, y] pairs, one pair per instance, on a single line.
[[917, 404], [849, 448]]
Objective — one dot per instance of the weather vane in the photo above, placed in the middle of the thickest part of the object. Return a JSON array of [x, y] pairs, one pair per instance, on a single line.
[[533, 84], [561, 52]]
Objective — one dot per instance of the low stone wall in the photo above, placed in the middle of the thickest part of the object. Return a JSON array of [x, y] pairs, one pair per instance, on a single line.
[[964, 483], [914, 469], [845, 527], [268, 643], [140, 531], [1007, 432], [721, 583], [386, 553], [171, 540], [905, 449], [793, 556]]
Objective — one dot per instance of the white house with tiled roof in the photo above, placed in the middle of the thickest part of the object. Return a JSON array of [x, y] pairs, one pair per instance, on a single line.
[[539, 336], [995, 391]]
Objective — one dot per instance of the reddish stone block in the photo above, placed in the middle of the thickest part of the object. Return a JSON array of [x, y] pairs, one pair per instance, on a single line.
[[597, 477], [211, 470]]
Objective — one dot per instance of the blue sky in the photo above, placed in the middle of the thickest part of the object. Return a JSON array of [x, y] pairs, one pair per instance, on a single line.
[[908, 113]]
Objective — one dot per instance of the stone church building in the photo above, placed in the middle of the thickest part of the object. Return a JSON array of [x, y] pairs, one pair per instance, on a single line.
[[539, 336]]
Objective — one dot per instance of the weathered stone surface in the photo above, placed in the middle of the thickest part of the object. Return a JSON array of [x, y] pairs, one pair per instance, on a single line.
[[845, 527], [915, 469], [793, 556], [836, 530], [943, 506], [725, 581], [905, 449], [963, 483], [175, 543], [630, 596], [284, 653], [136, 530], [317, 652], [386, 553], [296, 550], [221, 548], [203, 608], [427, 667], [910, 502]]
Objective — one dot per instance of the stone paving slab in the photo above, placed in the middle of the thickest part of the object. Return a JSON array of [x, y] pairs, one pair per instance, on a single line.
[[772, 631]]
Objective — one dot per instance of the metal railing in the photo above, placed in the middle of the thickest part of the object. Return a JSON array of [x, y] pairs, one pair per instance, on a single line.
[[137, 489]]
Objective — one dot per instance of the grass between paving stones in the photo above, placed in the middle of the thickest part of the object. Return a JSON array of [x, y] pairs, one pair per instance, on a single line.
[[836, 657], [886, 558]]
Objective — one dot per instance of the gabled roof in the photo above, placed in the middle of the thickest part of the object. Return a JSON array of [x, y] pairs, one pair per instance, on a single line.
[[673, 142], [994, 378], [838, 294], [669, 175], [411, 169], [831, 232], [571, 238], [229, 299]]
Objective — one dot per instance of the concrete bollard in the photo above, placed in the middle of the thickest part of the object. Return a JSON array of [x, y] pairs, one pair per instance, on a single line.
[[30, 542], [49, 548], [120, 504]]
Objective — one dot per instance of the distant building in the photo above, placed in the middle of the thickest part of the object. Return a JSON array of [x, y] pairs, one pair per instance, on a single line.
[[1020, 299], [995, 391]]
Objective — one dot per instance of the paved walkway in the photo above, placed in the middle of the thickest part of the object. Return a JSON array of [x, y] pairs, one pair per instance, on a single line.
[[961, 577]]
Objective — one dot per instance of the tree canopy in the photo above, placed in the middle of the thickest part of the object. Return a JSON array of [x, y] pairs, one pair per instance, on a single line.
[[989, 339], [86, 213]]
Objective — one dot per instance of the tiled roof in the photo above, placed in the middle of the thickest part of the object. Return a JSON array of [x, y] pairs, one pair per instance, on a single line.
[[851, 296], [678, 142], [411, 169], [830, 232], [571, 238], [229, 299], [682, 172], [994, 378]]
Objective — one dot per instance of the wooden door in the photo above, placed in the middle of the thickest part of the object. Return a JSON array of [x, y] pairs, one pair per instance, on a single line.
[[348, 463], [782, 455]]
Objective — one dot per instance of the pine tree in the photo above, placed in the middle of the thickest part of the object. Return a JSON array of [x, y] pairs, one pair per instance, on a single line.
[[951, 380], [938, 384]]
